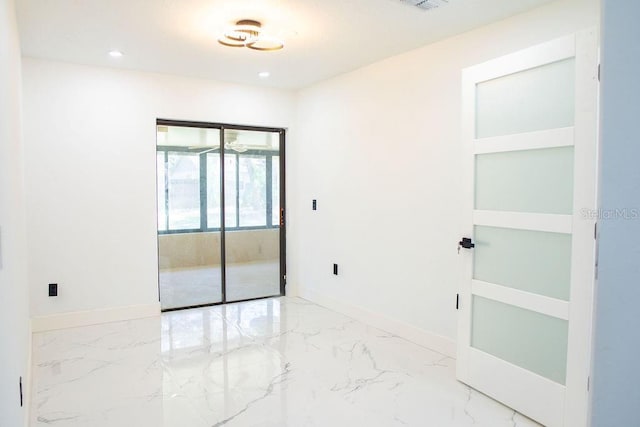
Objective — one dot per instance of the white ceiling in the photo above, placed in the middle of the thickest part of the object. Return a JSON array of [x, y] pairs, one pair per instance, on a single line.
[[324, 38]]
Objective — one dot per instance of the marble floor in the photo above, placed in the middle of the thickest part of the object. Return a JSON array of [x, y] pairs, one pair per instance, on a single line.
[[186, 287], [273, 362]]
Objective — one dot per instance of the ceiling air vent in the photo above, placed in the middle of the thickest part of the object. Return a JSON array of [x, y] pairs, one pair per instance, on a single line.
[[426, 4]]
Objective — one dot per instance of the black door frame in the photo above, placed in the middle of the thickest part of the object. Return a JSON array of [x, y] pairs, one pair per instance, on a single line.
[[282, 220]]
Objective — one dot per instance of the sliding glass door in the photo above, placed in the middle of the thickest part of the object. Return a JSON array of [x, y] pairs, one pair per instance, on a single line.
[[220, 213]]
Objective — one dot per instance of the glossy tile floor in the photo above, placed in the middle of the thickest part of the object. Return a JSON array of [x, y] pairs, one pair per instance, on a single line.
[[274, 362]]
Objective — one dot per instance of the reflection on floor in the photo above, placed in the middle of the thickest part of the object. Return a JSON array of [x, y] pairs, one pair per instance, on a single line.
[[272, 362], [201, 285]]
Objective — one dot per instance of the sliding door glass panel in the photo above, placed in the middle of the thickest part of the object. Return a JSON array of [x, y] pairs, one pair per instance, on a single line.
[[213, 190], [252, 185], [183, 191], [531, 261], [230, 190], [189, 269], [531, 340], [275, 190], [189, 249], [253, 245], [533, 100], [162, 195], [535, 181]]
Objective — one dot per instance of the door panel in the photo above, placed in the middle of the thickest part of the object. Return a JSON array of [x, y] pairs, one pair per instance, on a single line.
[[252, 250], [188, 246], [525, 338], [548, 90], [513, 258], [529, 132], [539, 181]]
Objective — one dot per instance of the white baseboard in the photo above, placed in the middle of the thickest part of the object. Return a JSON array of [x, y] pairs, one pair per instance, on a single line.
[[93, 317], [418, 336]]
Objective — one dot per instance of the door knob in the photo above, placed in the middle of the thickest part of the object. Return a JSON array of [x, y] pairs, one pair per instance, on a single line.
[[465, 243]]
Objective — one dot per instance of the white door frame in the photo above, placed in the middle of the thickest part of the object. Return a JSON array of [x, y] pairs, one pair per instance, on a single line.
[[570, 403]]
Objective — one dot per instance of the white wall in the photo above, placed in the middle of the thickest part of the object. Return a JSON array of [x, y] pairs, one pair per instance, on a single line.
[[380, 151], [14, 303], [616, 376], [90, 174], [378, 148]]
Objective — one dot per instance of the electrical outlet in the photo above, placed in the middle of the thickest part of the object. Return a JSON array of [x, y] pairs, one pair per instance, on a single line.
[[53, 289], [335, 269], [314, 205]]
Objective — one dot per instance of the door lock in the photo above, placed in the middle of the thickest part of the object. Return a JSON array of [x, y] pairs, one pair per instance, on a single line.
[[465, 243]]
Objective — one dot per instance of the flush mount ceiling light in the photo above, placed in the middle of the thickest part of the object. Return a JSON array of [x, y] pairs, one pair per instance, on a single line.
[[249, 33], [426, 4]]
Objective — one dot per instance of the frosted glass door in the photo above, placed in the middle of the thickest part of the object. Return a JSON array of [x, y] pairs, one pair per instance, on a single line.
[[510, 258], [529, 176]]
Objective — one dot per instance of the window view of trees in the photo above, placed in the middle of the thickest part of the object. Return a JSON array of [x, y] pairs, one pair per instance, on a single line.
[[183, 191], [189, 196], [252, 185]]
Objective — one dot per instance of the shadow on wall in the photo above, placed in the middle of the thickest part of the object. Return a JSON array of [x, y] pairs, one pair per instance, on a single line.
[[185, 250]]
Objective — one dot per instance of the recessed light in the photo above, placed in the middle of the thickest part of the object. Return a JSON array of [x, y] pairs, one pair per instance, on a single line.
[[115, 54], [264, 74]]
